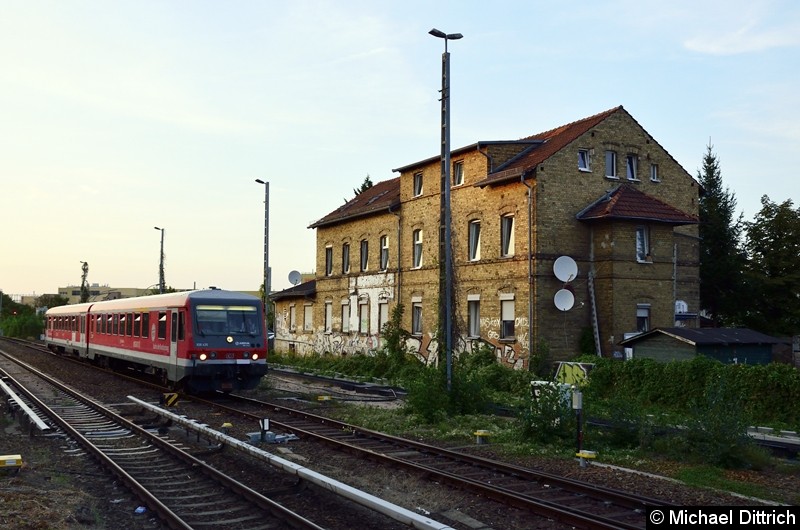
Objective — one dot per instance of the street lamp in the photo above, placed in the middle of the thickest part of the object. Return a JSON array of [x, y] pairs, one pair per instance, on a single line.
[[161, 263], [445, 248], [266, 248]]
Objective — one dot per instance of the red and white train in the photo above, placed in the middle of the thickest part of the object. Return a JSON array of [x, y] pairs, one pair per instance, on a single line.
[[200, 341]]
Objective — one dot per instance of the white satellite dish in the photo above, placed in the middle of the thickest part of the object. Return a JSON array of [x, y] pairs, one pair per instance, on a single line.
[[565, 269], [564, 300], [295, 277]]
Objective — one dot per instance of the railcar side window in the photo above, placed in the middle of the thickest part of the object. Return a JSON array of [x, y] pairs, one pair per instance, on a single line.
[[137, 324], [162, 325], [181, 325], [130, 325], [174, 326], [145, 325]]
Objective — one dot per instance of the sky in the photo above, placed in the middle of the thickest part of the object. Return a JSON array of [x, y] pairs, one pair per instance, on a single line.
[[118, 117]]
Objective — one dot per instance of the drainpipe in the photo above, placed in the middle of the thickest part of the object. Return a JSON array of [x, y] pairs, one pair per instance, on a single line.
[[399, 246], [530, 269]]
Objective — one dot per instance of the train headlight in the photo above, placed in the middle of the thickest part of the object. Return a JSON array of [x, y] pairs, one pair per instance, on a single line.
[[203, 356], [254, 356]]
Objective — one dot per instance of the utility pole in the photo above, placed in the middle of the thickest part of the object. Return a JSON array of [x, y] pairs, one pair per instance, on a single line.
[[161, 283], [445, 244]]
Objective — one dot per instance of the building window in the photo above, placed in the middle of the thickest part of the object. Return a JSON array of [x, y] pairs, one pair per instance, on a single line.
[[474, 317], [458, 173], [383, 315], [363, 317], [583, 160], [417, 249], [474, 240], [506, 319], [328, 261], [632, 163], [507, 236], [345, 258], [642, 317], [384, 252], [611, 164], [417, 184], [654, 173], [416, 318], [643, 244], [308, 318], [345, 317], [292, 318], [364, 254], [328, 317]]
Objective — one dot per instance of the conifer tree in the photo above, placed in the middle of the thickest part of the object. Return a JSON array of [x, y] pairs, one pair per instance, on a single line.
[[722, 259]]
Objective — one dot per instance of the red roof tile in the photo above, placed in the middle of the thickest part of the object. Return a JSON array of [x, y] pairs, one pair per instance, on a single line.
[[627, 202], [381, 196], [554, 140]]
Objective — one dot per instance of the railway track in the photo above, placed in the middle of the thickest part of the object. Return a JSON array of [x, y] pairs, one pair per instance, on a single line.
[[180, 489], [572, 502]]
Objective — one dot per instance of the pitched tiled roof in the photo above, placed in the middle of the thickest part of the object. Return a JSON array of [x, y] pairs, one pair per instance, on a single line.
[[381, 196], [627, 202], [710, 336], [303, 290], [553, 141]]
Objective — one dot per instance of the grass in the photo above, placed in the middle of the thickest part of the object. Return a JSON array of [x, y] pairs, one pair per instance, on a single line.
[[715, 478]]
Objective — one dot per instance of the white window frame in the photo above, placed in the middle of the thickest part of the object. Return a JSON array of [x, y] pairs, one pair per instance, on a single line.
[[417, 254], [643, 244], [507, 317], [345, 316], [383, 315], [506, 236], [384, 253], [654, 173], [632, 166], [416, 318], [474, 232], [458, 173], [328, 317], [418, 184], [308, 317], [584, 160], [642, 318], [363, 317], [345, 258], [329, 260], [474, 316], [364, 255], [611, 164]]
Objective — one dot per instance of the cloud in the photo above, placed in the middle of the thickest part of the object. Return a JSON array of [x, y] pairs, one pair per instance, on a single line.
[[748, 38]]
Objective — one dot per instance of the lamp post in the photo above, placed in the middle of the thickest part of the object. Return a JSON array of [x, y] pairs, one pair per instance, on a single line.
[[161, 263], [445, 248], [267, 285]]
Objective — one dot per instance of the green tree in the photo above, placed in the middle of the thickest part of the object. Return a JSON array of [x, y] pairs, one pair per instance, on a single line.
[[773, 249], [367, 184], [722, 260], [51, 300]]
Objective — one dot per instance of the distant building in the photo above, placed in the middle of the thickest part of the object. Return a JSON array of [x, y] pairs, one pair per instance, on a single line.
[[600, 191]]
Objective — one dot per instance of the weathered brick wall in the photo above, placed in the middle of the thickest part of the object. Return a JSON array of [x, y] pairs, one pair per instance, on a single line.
[[560, 191]]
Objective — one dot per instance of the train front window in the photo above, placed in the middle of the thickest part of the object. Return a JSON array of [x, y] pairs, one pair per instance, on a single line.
[[227, 320]]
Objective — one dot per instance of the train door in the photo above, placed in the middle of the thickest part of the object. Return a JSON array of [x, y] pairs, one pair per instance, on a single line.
[[173, 344]]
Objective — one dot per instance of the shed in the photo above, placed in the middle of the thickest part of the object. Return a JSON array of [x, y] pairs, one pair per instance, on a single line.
[[727, 345]]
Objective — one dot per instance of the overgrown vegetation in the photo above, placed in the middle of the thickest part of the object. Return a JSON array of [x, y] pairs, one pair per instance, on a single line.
[[695, 412]]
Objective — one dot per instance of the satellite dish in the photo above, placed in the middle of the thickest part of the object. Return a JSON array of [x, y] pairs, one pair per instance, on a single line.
[[565, 269], [295, 277], [564, 300]]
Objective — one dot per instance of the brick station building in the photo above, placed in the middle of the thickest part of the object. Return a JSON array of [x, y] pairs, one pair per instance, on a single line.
[[599, 192]]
